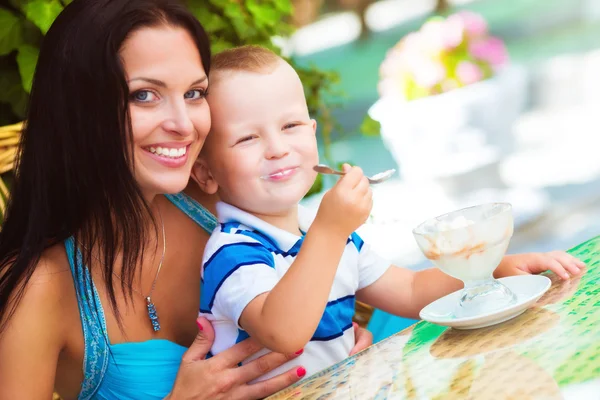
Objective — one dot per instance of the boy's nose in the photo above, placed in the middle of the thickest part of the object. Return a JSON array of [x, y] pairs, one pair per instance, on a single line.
[[277, 148]]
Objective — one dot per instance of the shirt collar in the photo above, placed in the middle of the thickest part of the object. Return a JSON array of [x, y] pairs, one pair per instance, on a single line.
[[284, 240]]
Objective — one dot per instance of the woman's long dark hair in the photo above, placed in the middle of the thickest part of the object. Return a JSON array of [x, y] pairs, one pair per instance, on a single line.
[[74, 175]]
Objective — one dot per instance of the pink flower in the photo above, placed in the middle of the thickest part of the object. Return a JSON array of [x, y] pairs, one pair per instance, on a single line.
[[474, 24], [491, 50], [427, 73], [454, 32], [468, 72], [442, 35], [432, 34], [411, 42]]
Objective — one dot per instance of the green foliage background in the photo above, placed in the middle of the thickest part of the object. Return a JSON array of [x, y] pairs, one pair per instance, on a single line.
[[23, 24]]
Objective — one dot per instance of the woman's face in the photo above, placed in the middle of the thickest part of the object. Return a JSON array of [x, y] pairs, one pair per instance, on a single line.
[[169, 114]]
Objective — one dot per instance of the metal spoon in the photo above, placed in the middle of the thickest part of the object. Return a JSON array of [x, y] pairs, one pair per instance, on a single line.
[[377, 178]]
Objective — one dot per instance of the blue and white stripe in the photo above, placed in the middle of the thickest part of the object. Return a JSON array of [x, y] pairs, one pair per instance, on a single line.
[[246, 257]]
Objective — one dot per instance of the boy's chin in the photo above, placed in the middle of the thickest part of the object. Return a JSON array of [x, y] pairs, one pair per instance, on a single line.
[[279, 206]]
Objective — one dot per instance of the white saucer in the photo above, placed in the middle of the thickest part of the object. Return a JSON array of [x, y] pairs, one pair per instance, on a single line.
[[528, 288]]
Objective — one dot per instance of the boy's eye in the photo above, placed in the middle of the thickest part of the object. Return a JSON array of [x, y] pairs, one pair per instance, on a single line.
[[290, 125], [195, 94], [144, 96], [245, 139]]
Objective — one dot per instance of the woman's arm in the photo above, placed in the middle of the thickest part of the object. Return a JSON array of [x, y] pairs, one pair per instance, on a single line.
[[220, 377], [34, 336]]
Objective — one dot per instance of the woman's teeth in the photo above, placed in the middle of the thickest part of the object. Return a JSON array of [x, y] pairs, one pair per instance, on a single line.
[[166, 152]]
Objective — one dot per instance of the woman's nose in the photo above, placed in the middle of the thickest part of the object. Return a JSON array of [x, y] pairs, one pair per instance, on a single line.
[[178, 121]]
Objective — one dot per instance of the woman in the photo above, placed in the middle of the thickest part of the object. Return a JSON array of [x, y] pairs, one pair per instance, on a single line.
[[97, 268]]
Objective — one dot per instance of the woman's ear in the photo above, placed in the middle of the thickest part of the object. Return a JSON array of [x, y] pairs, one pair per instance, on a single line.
[[202, 176]]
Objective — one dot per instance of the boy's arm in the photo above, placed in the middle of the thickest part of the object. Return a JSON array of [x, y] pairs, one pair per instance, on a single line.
[[403, 292], [285, 318]]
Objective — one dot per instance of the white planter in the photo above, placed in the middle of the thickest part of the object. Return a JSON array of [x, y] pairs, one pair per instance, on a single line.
[[454, 132]]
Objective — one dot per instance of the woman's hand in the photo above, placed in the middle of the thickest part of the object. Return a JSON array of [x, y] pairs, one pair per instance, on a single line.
[[220, 377], [362, 337]]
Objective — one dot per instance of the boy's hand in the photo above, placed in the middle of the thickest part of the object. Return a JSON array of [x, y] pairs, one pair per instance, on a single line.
[[562, 264], [348, 204]]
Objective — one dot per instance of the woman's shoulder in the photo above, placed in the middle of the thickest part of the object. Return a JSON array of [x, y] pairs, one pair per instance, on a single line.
[[52, 270], [49, 287], [50, 284]]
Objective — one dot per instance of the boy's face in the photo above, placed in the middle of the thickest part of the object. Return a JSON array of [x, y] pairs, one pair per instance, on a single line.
[[262, 146]]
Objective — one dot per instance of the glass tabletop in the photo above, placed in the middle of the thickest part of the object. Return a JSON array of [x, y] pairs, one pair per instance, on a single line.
[[552, 351]]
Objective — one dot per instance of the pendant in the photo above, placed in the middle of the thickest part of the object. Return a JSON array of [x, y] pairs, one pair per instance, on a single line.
[[152, 314]]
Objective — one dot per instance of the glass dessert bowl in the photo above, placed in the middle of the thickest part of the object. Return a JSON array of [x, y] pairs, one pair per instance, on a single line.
[[468, 244]]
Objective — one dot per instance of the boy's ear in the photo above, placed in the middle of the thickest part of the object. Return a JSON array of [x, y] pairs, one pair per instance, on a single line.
[[314, 125], [202, 176]]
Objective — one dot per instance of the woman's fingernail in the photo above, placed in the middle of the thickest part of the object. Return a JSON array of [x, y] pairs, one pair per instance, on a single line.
[[300, 372], [199, 326], [299, 352]]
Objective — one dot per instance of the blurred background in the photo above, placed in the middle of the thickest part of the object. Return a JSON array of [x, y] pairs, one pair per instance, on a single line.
[[524, 131], [469, 100]]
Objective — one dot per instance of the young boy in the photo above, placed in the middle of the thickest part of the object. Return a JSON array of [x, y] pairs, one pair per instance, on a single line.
[[274, 270]]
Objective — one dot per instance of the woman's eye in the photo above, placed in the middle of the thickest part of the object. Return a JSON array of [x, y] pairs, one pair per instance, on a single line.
[[195, 94], [144, 96]]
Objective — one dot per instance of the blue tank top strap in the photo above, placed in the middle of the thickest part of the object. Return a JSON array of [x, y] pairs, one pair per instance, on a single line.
[[95, 335], [194, 210]]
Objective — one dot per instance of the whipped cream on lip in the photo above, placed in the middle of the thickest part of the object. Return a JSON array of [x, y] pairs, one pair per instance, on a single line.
[[280, 174]]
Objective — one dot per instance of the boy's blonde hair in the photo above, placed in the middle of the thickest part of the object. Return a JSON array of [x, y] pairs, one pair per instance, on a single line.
[[245, 58]]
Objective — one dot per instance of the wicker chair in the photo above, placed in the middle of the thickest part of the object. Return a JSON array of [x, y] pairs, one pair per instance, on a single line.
[[9, 140]]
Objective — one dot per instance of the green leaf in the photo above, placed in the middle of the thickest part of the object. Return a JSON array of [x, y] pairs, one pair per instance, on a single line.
[[285, 6], [210, 20], [370, 127], [214, 23], [42, 12], [219, 45], [11, 91], [236, 16], [30, 33], [27, 59], [264, 15], [10, 32]]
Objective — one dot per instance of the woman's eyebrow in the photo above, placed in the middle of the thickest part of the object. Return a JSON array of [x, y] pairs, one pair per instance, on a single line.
[[161, 83]]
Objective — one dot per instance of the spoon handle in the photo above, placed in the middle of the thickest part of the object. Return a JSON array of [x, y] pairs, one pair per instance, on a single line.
[[323, 169]]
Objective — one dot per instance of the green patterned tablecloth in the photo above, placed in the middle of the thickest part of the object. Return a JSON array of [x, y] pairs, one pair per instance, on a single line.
[[552, 351]]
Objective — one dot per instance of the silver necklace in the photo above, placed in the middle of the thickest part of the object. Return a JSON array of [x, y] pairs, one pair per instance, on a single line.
[[152, 314]]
